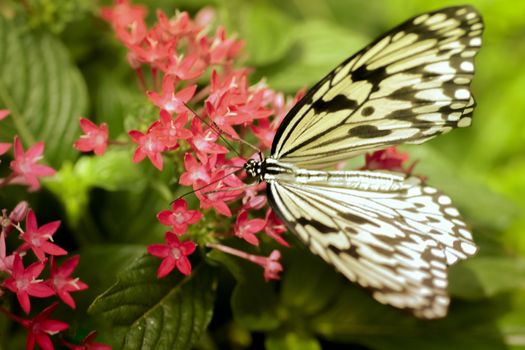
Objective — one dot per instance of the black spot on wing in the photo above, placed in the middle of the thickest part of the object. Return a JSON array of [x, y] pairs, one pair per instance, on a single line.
[[337, 103], [367, 111], [368, 132], [319, 226], [355, 218]]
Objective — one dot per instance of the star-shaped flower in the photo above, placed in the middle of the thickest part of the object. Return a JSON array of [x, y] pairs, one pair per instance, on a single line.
[[246, 229], [40, 328], [179, 217], [174, 254], [61, 281], [37, 238], [24, 166], [95, 138], [23, 282]]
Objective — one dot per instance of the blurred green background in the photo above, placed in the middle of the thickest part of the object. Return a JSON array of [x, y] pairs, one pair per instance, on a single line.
[[291, 44]]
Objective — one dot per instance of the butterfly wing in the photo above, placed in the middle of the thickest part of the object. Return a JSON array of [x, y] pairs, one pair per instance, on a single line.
[[411, 84], [396, 242]]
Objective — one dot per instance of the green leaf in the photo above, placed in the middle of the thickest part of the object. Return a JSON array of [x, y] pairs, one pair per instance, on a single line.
[[291, 341], [151, 313], [113, 171], [487, 276], [254, 301], [266, 32], [318, 48], [44, 91]]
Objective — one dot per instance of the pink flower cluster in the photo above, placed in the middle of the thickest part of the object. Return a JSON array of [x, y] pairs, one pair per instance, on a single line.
[[180, 51], [197, 119], [24, 279]]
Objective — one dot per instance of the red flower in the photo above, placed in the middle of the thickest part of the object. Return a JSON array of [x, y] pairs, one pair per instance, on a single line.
[[169, 131], [40, 328], [194, 172], [246, 229], [387, 159], [264, 132], [171, 101], [4, 147], [222, 188], [23, 282], [148, 145], [174, 254], [127, 20], [253, 200], [179, 217], [274, 227], [61, 281], [204, 141], [221, 48], [6, 262], [18, 214], [95, 138], [4, 113], [271, 265], [88, 343], [24, 165], [37, 239], [183, 67]]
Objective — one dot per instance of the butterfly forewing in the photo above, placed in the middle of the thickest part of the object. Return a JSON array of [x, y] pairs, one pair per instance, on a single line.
[[408, 86], [395, 241]]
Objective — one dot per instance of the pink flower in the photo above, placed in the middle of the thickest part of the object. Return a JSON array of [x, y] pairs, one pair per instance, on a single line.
[[194, 172], [95, 137], [4, 147], [40, 328], [127, 20], [4, 113], [203, 141], [271, 265], [18, 214], [37, 239], [169, 131], [6, 261], [246, 229], [171, 101], [179, 217], [222, 188], [25, 167], [274, 228], [253, 200], [23, 282], [184, 67], [264, 132], [387, 159], [222, 49], [174, 254], [148, 145], [61, 281], [88, 343]]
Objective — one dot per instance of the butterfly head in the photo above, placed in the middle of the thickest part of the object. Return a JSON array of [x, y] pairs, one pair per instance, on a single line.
[[253, 168]]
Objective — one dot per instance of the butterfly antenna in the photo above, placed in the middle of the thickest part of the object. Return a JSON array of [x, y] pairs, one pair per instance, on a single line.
[[214, 127], [205, 186]]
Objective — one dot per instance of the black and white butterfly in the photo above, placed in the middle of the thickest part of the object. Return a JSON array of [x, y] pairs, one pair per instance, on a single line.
[[388, 232]]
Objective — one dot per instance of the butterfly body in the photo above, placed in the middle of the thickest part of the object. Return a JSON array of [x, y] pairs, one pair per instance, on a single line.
[[389, 232]]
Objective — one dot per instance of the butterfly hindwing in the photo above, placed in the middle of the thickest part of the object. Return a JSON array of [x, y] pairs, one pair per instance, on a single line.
[[408, 86], [396, 242]]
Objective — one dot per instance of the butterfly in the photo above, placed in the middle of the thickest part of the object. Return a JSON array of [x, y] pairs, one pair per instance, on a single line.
[[389, 232]]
